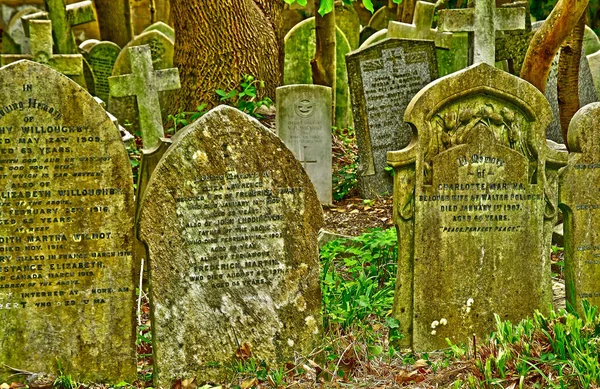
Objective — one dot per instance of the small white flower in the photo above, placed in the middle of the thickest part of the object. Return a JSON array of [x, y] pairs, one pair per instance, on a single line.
[[435, 324], [443, 321], [468, 310], [433, 332], [470, 302]]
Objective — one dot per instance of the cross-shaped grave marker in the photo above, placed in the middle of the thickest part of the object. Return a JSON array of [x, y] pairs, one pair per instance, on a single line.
[[512, 45], [144, 83], [482, 21], [421, 27], [41, 51]]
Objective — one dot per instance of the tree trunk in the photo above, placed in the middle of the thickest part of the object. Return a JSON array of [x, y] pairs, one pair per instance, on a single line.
[[220, 41], [114, 19], [548, 39], [408, 10], [324, 64], [568, 76]]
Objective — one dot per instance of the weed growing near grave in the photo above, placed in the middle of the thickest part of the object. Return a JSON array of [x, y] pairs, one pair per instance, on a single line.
[[345, 162], [244, 96], [182, 119]]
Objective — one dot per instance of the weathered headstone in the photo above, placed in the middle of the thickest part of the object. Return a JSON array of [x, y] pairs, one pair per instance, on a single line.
[[300, 49], [304, 125], [421, 27], [482, 21], [587, 91], [162, 27], [366, 33], [16, 31], [594, 64], [591, 42], [102, 57], [161, 50], [231, 222], [384, 78], [457, 58], [512, 46], [578, 200], [87, 45], [348, 21], [471, 199], [145, 83], [376, 37], [382, 17], [64, 17], [66, 283]]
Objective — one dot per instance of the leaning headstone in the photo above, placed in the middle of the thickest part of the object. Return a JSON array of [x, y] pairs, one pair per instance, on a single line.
[[161, 50], [382, 17], [300, 47], [87, 45], [348, 21], [471, 196], [164, 28], [231, 221], [384, 78], [304, 125], [455, 59], [591, 42], [102, 57], [366, 33], [66, 285], [587, 91], [578, 197]]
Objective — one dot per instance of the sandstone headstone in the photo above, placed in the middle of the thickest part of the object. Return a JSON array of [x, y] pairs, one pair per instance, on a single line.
[[470, 200], [300, 49], [102, 57], [164, 28], [304, 125], [384, 78], [348, 21], [421, 27], [578, 199], [482, 21], [231, 222], [161, 49], [66, 280]]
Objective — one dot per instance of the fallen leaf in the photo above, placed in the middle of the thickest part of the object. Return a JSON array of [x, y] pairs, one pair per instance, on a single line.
[[189, 383], [355, 211], [420, 363], [250, 382], [366, 208], [244, 352]]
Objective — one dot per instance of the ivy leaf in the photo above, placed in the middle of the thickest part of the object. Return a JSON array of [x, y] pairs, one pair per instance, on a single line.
[[326, 7], [369, 4]]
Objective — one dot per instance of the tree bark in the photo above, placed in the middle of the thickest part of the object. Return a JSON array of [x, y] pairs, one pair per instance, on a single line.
[[220, 41], [408, 10], [548, 39], [323, 65], [114, 19], [568, 76]]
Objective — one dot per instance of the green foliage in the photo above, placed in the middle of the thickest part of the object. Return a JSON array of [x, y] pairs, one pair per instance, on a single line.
[[185, 118], [345, 163], [327, 5], [63, 381], [244, 97]]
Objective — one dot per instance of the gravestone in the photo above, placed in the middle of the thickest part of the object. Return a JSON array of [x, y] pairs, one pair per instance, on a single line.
[[376, 37], [66, 280], [384, 78], [87, 45], [365, 34], [421, 27], [473, 208], [591, 42], [164, 28], [300, 49], [382, 17], [348, 21], [102, 57], [587, 91], [304, 125], [16, 31], [512, 46], [64, 17], [578, 198], [482, 21], [594, 64], [161, 50], [145, 83], [231, 222], [455, 59]]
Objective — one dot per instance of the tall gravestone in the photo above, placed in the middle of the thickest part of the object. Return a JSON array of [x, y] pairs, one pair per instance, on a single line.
[[472, 207], [102, 57], [348, 21], [304, 125], [231, 220], [66, 278], [384, 78], [578, 197]]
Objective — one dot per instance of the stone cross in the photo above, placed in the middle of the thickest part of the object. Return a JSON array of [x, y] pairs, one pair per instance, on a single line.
[[145, 83], [41, 51], [421, 27], [64, 17], [512, 45], [482, 20]]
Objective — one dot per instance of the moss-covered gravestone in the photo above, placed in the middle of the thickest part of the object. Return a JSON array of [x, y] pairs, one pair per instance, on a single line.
[[384, 78], [579, 201], [164, 28], [472, 206], [67, 292], [231, 220], [102, 57]]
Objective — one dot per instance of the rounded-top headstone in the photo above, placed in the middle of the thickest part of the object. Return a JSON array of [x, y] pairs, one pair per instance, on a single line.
[[591, 42], [66, 233], [230, 220]]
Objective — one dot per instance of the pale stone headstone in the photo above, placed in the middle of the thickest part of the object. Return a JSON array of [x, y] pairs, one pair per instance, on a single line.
[[348, 21], [102, 57], [300, 49], [164, 28], [161, 49], [473, 208], [145, 83], [578, 200], [16, 30], [384, 78], [304, 125], [231, 222], [382, 17], [66, 285], [87, 45], [421, 27], [482, 21]]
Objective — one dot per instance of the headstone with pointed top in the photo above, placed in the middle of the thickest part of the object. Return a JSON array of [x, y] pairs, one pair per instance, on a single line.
[[304, 125], [482, 21], [231, 222], [421, 27], [162, 27], [384, 78]]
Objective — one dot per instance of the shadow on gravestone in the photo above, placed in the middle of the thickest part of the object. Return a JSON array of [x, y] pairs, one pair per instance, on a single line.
[[231, 221], [473, 208], [70, 197]]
